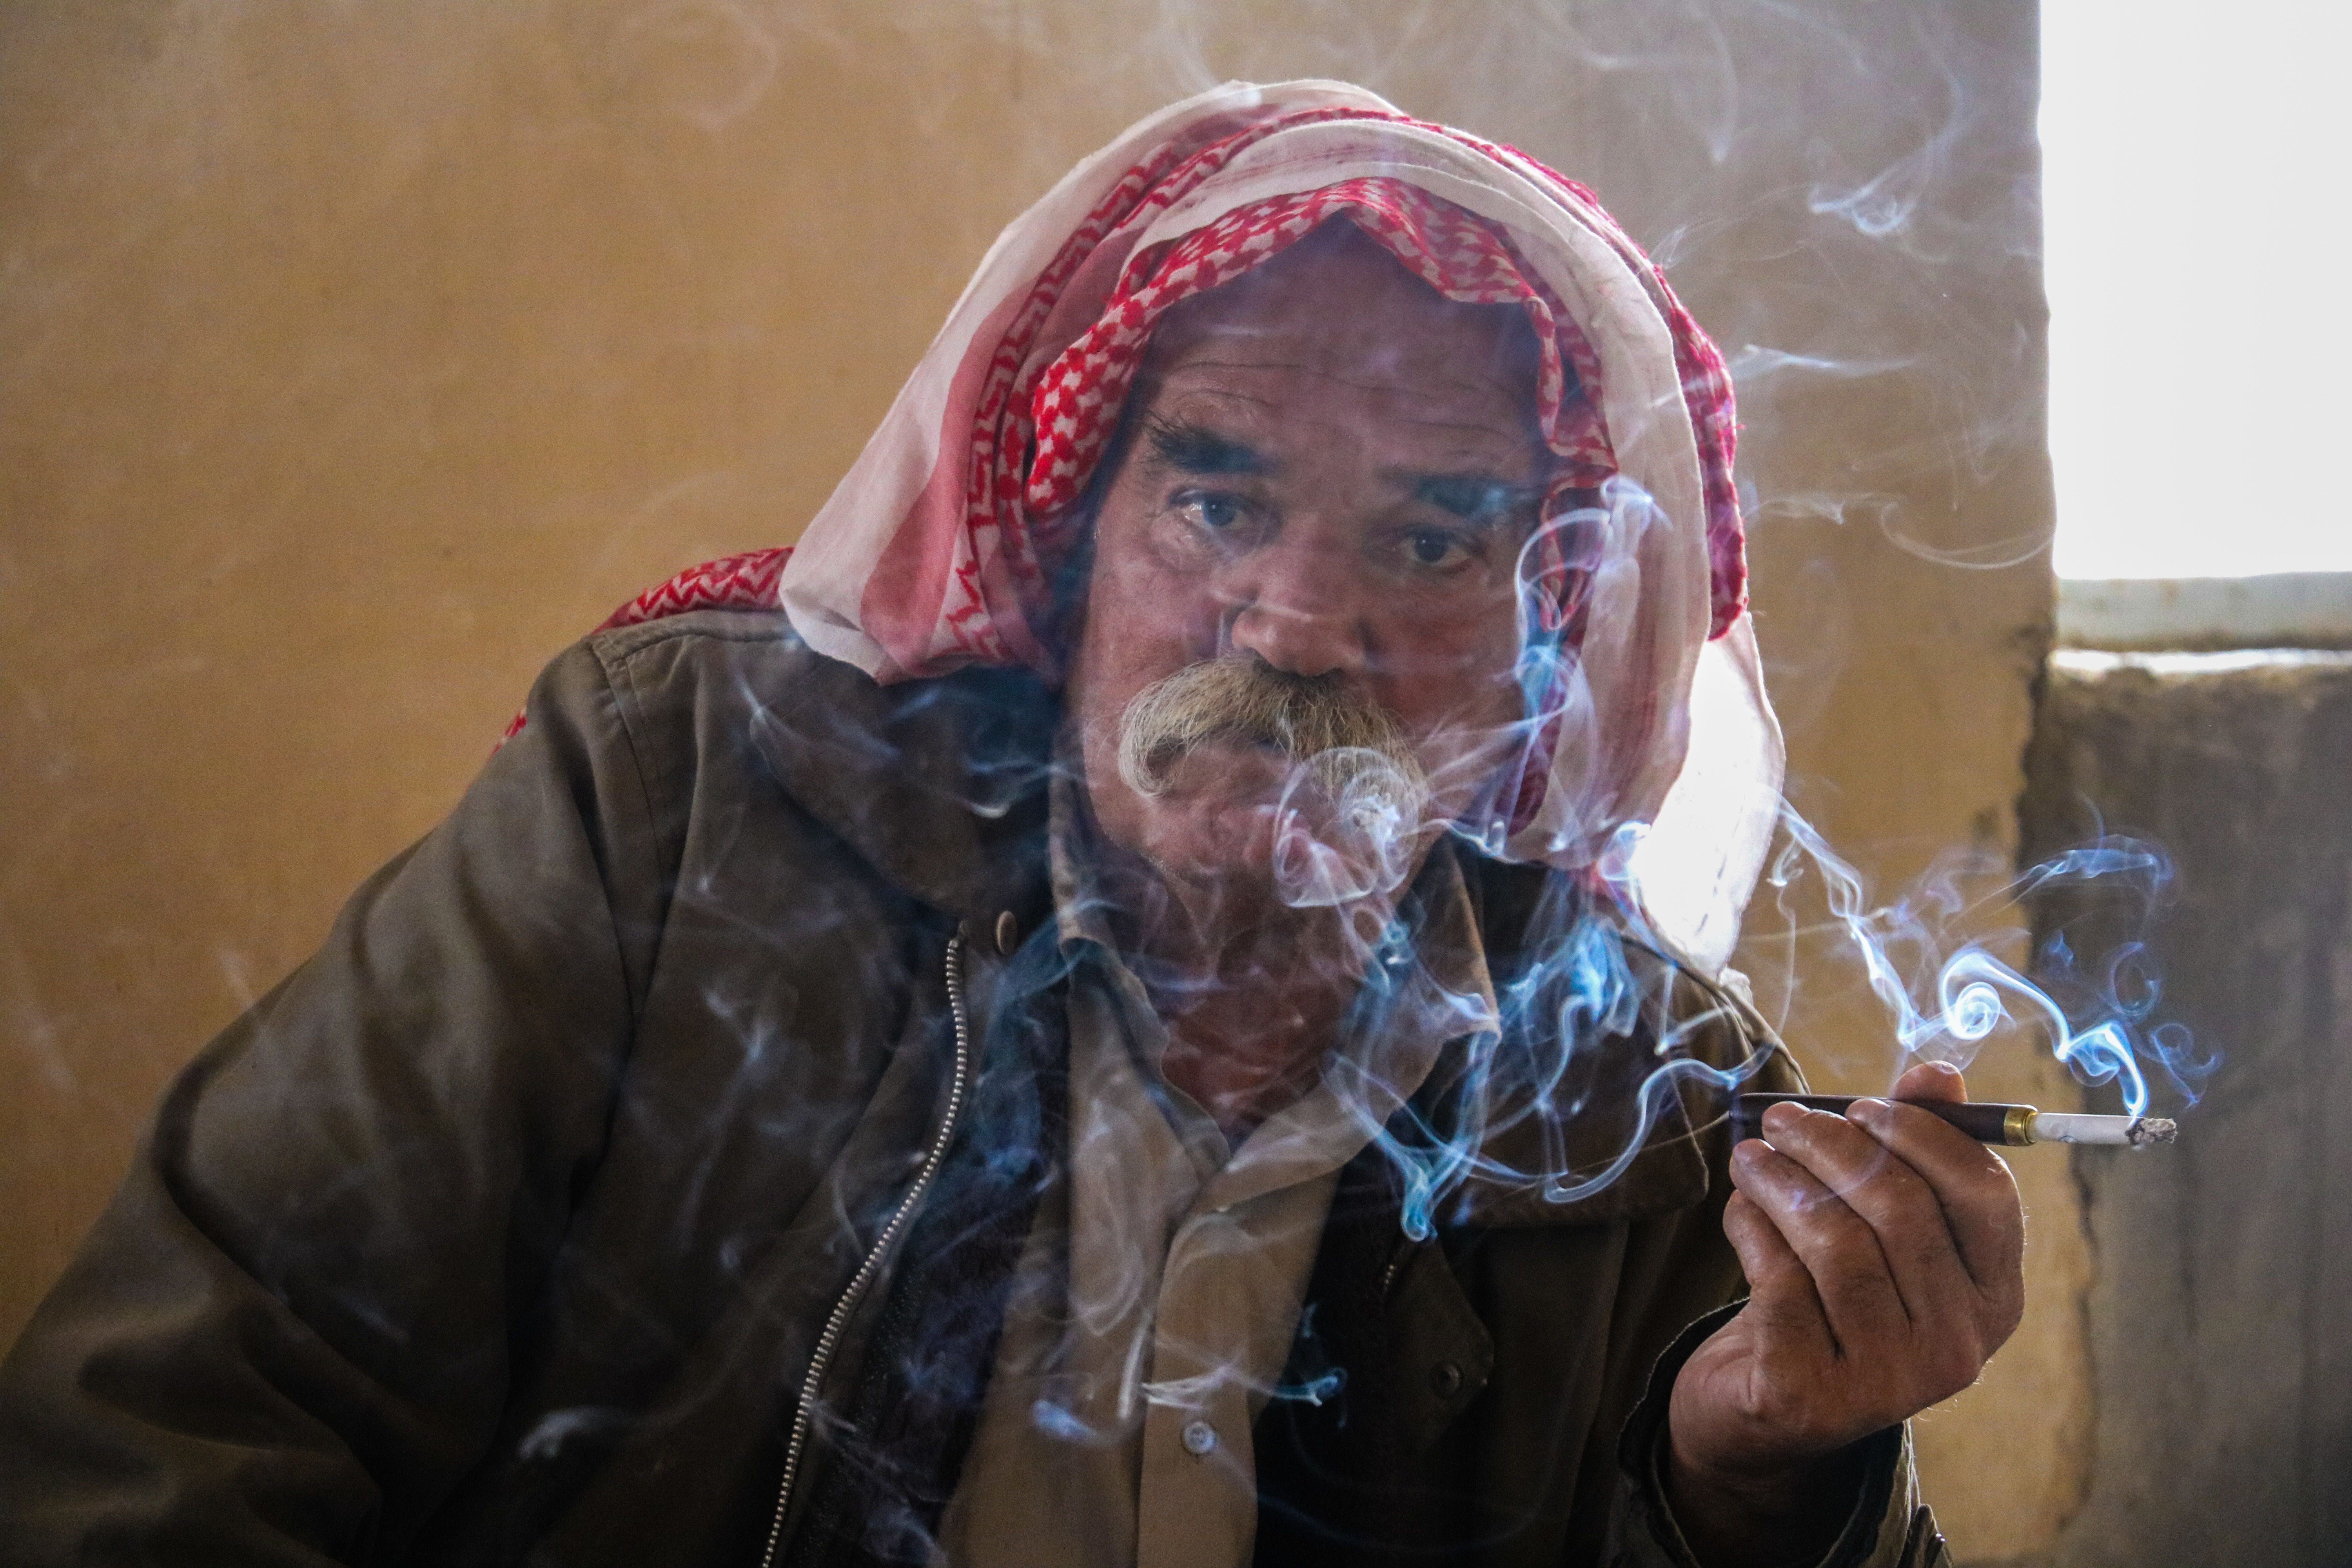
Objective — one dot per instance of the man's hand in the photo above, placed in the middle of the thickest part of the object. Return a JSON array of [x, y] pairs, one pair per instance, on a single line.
[[1883, 1252]]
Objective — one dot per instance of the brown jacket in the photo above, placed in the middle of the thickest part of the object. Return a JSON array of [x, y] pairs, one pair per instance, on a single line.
[[510, 1226]]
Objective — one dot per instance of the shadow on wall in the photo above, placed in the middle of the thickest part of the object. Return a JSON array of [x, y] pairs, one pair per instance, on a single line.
[[2220, 1322]]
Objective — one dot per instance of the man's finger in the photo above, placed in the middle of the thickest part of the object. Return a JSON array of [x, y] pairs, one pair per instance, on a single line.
[[1903, 1211], [1780, 1295], [1975, 1183], [1970, 1183], [1931, 1080], [1837, 1248]]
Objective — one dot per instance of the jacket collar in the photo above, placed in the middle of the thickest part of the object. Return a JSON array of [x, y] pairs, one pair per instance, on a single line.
[[938, 785]]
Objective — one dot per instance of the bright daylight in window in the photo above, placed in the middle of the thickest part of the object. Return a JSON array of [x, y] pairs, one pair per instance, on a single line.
[[2195, 198]]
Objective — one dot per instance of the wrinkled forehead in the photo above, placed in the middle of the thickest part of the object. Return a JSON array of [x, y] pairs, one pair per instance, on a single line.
[[1337, 308]]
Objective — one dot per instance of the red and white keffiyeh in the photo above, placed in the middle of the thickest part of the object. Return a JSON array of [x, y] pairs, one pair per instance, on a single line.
[[937, 548]]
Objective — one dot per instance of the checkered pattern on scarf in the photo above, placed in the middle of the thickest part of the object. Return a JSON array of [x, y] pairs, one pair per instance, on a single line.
[[1041, 427]]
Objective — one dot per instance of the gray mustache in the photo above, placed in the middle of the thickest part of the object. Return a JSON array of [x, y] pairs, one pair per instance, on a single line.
[[1241, 699]]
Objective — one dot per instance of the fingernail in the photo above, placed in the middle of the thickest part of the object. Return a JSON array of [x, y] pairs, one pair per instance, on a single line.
[[1869, 1113], [1782, 1119]]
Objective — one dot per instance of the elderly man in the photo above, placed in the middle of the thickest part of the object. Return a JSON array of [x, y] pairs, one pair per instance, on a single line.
[[1131, 1021]]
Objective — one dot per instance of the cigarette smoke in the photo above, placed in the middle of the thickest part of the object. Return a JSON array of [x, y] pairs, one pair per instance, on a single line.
[[2112, 1036]]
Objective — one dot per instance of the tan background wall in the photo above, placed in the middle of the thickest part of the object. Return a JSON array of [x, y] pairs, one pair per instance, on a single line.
[[354, 358]]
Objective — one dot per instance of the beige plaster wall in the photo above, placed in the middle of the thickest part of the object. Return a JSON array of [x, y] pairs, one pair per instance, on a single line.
[[354, 358]]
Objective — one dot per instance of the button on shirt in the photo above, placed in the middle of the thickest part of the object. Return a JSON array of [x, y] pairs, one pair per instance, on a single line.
[[1158, 1292]]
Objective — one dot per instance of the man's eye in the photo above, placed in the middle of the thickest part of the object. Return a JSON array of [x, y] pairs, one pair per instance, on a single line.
[[1434, 547], [1216, 513]]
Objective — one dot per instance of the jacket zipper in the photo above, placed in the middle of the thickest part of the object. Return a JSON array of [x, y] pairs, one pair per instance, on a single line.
[[830, 1339]]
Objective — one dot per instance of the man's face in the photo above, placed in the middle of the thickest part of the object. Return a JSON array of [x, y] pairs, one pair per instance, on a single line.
[[1331, 470]]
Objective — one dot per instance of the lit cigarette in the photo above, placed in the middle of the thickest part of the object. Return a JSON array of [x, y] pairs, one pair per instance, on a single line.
[[1982, 1119]]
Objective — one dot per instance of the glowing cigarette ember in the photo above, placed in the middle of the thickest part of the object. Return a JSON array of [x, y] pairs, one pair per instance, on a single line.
[[1984, 1121]]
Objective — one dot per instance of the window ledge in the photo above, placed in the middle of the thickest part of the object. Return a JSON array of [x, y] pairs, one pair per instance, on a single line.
[[2287, 609], [2092, 664]]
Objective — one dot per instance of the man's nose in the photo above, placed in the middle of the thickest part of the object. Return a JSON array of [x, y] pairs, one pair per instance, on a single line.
[[1295, 605]]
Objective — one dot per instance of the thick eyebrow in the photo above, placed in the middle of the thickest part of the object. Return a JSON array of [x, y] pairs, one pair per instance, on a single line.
[[1197, 450], [1473, 496]]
